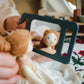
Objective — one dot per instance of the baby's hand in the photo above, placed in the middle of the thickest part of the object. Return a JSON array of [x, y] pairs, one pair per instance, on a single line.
[[8, 69], [13, 23]]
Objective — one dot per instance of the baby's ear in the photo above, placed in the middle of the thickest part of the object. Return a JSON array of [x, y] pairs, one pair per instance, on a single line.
[[4, 45]]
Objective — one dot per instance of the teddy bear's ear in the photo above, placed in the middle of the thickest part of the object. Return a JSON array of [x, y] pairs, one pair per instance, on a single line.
[[4, 45]]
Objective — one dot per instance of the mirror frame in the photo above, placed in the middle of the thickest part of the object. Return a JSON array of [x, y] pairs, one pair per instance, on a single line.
[[65, 25]]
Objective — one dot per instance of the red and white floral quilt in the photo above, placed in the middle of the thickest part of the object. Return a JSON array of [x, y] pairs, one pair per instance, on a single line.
[[77, 55]]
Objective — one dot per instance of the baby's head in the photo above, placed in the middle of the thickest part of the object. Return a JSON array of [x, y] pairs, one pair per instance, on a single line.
[[50, 37], [20, 42]]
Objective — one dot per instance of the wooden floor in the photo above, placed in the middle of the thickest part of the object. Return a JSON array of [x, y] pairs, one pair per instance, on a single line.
[[27, 6]]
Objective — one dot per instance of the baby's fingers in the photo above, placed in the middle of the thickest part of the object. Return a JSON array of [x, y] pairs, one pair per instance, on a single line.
[[12, 80]]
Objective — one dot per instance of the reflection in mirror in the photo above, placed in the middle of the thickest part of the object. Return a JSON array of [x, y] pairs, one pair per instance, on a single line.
[[45, 35]]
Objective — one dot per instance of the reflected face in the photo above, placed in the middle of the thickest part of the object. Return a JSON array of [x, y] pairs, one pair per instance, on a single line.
[[50, 39]]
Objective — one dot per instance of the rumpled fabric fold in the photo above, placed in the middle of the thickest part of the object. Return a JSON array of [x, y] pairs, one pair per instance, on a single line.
[[52, 73]]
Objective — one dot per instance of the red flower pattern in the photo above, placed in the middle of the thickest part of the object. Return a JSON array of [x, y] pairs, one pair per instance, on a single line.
[[64, 54], [74, 52], [80, 41], [81, 52]]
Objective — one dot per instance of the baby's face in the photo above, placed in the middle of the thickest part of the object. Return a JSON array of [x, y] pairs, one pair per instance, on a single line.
[[51, 39]]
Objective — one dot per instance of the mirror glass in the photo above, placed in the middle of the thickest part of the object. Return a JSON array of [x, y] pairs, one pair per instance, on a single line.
[[45, 35]]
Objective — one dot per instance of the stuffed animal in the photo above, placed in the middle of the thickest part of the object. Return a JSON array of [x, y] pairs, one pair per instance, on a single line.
[[19, 44], [50, 39]]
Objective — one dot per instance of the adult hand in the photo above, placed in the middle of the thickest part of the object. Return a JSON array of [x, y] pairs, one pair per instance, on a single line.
[[8, 69], [13, 23]]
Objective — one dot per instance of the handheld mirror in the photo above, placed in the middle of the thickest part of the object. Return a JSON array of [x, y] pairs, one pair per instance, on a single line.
[[49, 33]]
